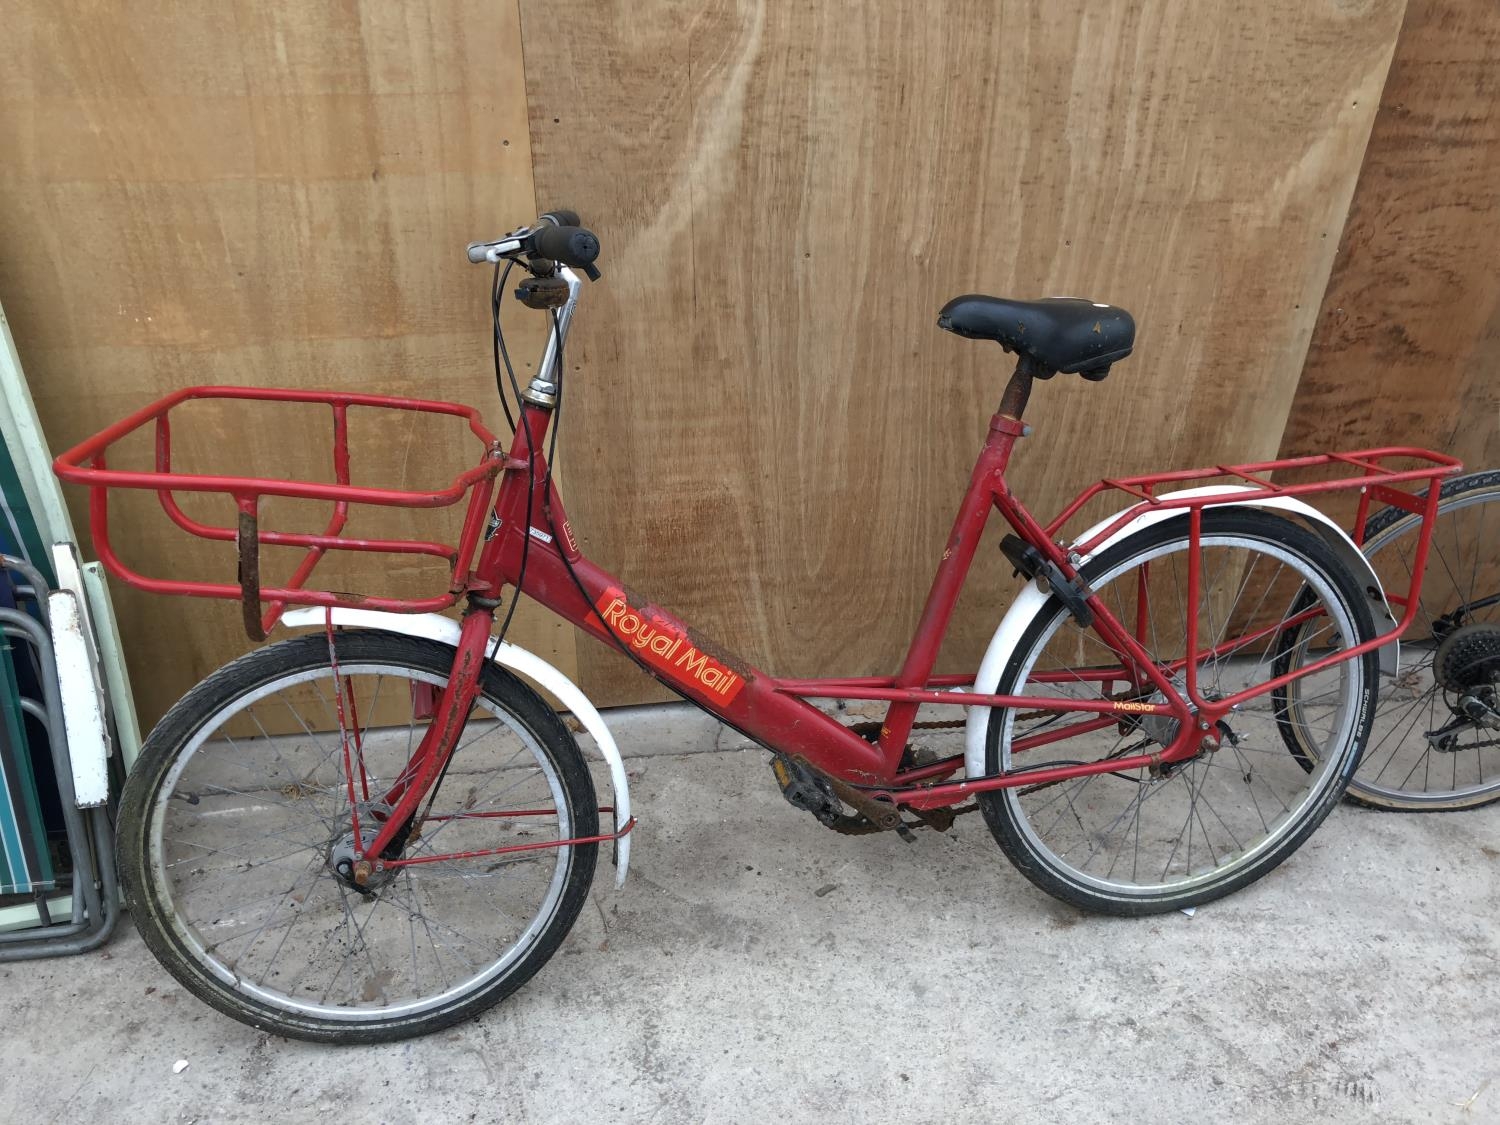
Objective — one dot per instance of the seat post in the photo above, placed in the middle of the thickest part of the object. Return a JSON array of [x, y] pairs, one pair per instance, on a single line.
[[1018, 390]]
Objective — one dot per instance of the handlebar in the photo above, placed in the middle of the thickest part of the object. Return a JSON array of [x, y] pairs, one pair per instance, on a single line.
[[479, 252], [570, 245], [556, 235]]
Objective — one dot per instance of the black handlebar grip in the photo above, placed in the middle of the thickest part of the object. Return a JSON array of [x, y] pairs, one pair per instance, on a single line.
[[564, 218], [572, 246]]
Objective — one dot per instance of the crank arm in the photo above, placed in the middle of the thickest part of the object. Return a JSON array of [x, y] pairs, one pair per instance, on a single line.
[[882, 814]]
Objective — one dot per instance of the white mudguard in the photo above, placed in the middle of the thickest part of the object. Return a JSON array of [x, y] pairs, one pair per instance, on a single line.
[[526, 664], [1032, 599]]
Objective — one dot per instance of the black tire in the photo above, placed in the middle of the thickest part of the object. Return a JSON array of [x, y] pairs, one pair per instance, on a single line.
[[1376, 785], [150, 902], [1002, 808]]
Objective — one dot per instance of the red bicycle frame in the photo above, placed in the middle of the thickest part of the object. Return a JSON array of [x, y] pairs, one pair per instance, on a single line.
[[543, 558], [540, 555]]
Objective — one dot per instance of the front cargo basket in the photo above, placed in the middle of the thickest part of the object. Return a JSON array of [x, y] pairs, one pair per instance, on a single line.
[[85, 464]]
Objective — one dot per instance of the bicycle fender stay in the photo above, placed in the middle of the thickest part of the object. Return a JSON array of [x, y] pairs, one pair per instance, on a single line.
[[528, 665], [1031, 600]]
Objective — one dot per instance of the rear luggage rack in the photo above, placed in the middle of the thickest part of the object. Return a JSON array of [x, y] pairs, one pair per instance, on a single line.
[[1249, 483]]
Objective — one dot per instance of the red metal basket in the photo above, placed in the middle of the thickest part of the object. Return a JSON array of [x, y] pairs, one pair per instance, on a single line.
[[85, 464]]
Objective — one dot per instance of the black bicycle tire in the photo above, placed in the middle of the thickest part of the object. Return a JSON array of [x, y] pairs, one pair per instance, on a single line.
[[220, 690], [1359, 793], [1250, 523]]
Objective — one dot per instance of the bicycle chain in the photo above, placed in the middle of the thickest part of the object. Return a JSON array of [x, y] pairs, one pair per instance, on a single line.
[[939, 819], [871, 727], [1021, 717], [857, 824], [1475, 745]]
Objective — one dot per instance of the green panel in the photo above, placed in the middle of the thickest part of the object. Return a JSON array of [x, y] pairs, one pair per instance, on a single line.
[[25, 864], [18, 528]]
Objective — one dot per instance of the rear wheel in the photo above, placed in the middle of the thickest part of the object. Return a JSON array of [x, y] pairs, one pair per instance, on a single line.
[[236, 837], [1140, 841], [1435, 742]]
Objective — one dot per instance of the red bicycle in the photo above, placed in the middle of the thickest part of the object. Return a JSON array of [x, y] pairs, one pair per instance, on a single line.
[[380, 827]]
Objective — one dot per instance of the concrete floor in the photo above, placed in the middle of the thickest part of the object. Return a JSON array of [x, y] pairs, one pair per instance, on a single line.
[[758, 967]]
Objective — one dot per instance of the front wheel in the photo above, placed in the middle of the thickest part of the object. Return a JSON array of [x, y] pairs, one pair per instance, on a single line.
[[236, 831], [1141, 841]]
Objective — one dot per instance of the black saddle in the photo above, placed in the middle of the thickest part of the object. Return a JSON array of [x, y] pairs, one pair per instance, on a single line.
[[1056, 333]]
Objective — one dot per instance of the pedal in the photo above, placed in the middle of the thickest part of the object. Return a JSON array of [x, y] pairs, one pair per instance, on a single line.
[[805, 791], [1033, 565]]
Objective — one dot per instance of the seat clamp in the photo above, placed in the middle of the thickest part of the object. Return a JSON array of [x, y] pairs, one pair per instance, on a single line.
[[1005, 424]]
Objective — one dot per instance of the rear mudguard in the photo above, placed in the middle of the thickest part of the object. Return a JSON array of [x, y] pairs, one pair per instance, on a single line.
[[527, 665], [1031, 600]]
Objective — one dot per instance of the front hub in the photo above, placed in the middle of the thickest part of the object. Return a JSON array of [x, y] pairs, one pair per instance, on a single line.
[[352, 871]]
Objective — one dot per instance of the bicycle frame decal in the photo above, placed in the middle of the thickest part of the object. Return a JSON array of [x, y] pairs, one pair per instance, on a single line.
[[664, 647]]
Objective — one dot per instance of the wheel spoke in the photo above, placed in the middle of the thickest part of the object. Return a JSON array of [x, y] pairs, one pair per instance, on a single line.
[[1191, 827], [1401, 768]]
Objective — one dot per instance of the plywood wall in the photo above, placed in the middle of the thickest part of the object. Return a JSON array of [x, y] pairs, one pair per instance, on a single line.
[[264, 193], [776, 431], [1407, 345], [766, 430]]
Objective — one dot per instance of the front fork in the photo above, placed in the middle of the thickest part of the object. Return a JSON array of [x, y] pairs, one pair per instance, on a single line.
[[398, 824]]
